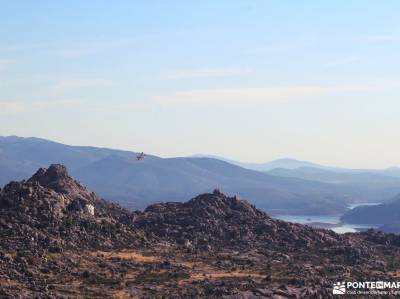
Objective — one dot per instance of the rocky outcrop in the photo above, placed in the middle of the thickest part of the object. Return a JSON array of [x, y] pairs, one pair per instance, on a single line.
[[215, 220], [53, 211], [59, 240]]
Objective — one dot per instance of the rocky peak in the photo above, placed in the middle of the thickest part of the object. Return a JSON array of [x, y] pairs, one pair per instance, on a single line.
[[53, 208], [56, 177], [50, 191], [217, 204], [207, 220], [215, 220]]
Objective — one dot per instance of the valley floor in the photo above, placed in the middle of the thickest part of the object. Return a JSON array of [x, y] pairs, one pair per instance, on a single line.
[[178, 273]]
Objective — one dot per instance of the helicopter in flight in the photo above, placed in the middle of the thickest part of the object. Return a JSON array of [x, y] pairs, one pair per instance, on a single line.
[[140, 156]]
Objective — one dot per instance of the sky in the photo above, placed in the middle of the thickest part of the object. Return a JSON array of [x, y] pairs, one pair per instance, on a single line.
[[248, 80]]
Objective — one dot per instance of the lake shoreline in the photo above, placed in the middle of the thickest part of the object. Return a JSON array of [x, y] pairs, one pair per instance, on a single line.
[[332, 222]]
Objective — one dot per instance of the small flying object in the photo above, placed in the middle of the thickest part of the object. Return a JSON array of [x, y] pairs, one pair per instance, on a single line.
[[140, 156]]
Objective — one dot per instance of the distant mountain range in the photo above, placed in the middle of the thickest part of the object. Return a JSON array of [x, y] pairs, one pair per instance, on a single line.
[[379, 185], [118, 176], [370, 184], [386, 216], [279, 163], [292, 164]]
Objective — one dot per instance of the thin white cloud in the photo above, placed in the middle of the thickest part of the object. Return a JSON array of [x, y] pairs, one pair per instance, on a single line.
[[16, 107], [68, 49], [379, 38], [342, 62], [241, 94], [204, 73], [76, 53], [78, 83], [90, 48], [12, 107], [269, 94], [4, 63], [313, 41], [22, 46], [278, 46]]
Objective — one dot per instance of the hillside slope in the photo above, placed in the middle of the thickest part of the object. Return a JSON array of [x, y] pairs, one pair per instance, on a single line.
[[59, 240], [374, 186], [52, 210], [386, 215], [178, 178], [286, 163], [136, 184]]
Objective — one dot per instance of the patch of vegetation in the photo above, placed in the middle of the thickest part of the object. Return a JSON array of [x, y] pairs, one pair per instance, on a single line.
[[95, 278], [159, 277]]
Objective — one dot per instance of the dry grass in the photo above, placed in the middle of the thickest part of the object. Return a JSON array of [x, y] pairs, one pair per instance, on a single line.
[[121, 294], [10, 283], [128, 255], [395, 274], [216, 275]]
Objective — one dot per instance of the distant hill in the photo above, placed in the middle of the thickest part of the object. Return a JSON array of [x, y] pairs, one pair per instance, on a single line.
[[20, 157], [364, 185], [392, 171], [292, 164], [375, 185], [386, 215], [177, 178], [286, 163], [117, 175]]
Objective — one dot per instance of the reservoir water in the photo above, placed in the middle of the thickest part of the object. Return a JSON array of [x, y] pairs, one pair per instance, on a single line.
[[330, 221]]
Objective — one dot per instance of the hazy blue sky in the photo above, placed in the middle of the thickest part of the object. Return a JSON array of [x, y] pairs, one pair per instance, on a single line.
[[249, 80]]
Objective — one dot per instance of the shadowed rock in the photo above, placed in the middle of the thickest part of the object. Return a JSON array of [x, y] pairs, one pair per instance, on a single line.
[[53, 208], [216, 220], [56, 178], [54, 231]]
